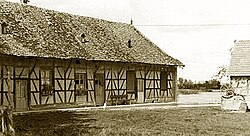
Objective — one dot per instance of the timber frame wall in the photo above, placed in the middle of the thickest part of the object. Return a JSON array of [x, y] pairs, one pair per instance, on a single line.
[[152, 83]]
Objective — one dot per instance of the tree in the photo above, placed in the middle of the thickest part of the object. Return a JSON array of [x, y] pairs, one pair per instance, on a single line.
[[221, 76]]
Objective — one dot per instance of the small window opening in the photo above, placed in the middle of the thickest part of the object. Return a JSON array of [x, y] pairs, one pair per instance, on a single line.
[[3, 28], [129, 43], [83, 38]]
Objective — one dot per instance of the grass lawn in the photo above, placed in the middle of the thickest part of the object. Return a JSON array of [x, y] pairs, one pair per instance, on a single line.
[[177, 121]]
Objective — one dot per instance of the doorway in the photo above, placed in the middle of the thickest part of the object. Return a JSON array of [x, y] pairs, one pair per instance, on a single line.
[[99, 88], [140, 88], [21, 95]]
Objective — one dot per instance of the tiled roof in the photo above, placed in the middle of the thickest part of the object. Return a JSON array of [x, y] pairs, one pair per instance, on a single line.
[[39, 32], [240, 59]]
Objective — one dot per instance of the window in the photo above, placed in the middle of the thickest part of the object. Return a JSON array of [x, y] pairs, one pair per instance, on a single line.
[[46, 81], [3, 28], [83, 38], [80, 82]]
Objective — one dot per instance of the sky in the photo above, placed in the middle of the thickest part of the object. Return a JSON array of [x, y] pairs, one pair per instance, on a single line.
[[200, 33]]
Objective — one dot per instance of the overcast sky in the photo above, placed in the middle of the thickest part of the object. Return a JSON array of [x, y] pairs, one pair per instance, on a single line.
[[199, 33]]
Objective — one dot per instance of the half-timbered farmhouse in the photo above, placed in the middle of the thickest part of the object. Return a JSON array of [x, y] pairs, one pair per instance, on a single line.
[[239, 69], [53, 58]]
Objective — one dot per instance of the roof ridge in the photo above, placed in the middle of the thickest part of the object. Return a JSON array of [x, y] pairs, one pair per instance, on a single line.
[[241, 41], [62, 12]]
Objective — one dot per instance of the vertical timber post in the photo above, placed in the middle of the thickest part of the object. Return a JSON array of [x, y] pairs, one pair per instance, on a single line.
[[2, 83], [29, 92], [40, 88], [104, 84], [94, 77], [144, 84], [174, 86], [75, 80], [65, 84], [14, 88], [53, 81], [87, 82]]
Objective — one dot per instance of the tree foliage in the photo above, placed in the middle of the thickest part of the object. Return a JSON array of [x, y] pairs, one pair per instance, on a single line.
[[189, 84]]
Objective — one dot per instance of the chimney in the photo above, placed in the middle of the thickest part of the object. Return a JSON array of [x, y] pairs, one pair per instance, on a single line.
[[24, 1]]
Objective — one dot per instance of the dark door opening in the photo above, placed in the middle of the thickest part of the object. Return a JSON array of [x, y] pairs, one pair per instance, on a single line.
[[99, 88], [21, 95]]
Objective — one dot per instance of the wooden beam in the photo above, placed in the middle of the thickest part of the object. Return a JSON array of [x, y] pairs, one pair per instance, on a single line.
[[112, 92], [59, 84], [21, 73], [104, 84], [47, 100], [68, 66], [53, 80], [87, 86], [35, 86], [174, 83], [140, 74], [35, 98], [154, 83], [118, 80], [2, 84], [75, 83], [65, 81], [70, 84], [59, 72], [135, 85], [94, 76], [28, 92], [70, 96], [14, 87], [167, 83], [69, 73], [33, 68], [59, 96], [40, 88], [144, 89]]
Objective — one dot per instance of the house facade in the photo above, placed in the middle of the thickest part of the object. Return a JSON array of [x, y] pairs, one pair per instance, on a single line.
[[52, 58], [239, 69]]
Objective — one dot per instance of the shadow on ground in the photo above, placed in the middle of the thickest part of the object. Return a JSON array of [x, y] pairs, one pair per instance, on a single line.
[[55, 124]]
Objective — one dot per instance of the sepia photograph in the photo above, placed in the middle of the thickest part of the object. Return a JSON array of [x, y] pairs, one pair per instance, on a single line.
[[124, 67]]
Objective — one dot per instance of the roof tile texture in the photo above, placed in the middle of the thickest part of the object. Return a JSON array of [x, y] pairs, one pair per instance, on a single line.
[[240, 59], [38, 32]]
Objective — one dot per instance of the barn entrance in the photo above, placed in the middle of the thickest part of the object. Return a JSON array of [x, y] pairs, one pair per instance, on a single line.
[[99, 88], [21, 95]]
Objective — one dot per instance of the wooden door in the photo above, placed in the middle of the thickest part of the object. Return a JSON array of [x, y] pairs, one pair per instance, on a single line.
[[140, 88], [99, 88], [21, 95]]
